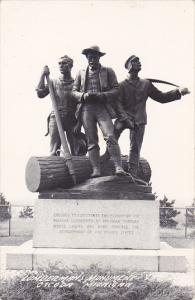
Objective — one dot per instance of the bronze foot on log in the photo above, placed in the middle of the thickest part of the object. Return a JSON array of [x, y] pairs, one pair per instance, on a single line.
[[96, 173]]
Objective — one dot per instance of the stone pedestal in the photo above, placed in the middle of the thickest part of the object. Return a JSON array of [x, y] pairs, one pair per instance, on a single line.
[[86, 223], [108, 221]]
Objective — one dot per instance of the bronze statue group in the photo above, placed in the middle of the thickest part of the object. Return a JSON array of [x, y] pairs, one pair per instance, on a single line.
[[95, 97]]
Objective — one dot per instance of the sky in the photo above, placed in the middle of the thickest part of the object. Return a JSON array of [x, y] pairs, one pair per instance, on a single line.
[[36, 33]]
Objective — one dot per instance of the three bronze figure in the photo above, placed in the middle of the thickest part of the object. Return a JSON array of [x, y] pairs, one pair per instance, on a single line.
[[95, 98]]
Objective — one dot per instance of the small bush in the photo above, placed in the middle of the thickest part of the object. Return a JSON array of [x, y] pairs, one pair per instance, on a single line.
[[27, 212], [190, 215], [168, 213], [90, 284]]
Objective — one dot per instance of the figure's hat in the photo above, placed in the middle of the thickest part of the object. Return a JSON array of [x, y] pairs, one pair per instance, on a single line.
[[94, 49], [129, 59]]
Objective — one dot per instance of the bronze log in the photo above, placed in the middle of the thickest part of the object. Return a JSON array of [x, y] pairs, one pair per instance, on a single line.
[[51, 172]]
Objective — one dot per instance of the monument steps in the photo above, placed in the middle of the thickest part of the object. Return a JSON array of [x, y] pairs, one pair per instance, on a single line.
[[167, 259]]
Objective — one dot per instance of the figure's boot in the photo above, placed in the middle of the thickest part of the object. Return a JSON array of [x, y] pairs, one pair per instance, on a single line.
[[94, 157], [55, 150], [133, 170], [105, 157], [115, 153]]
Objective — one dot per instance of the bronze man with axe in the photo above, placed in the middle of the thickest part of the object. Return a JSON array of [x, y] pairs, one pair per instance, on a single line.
[[66, 105]]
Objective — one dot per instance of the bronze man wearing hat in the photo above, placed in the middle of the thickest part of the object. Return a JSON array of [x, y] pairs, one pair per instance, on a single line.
[[66, 105], [95, 88], [133, 94]]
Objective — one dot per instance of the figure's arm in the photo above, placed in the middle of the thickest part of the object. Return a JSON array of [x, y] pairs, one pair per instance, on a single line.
[[77, 94], [120, 110], [42, 89], [77, 127], [165, 97], [109, 95], [113, 92], [121, 113]]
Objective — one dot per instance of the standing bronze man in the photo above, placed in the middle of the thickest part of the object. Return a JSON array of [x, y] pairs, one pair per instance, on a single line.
[[66, 105], [133, 94], [95, 88]]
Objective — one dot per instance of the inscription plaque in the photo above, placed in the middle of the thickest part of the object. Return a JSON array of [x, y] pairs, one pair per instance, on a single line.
[[87, 223], [118, 224]]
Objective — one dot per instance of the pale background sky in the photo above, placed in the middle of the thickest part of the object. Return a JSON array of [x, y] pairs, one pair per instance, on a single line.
[[36, 33]]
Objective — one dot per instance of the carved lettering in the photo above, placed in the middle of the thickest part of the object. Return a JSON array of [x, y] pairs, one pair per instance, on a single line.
[[96, 224]]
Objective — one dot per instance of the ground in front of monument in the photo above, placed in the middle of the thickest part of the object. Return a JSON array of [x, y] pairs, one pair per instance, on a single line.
[[108, 283]]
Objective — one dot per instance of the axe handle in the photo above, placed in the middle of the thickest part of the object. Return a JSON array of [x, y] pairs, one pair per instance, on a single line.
[[67, 154]]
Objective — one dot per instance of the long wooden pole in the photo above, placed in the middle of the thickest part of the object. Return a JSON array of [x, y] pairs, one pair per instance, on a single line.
[[67, 154]]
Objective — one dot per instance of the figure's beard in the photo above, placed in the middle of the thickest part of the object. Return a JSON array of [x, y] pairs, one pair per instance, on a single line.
[[94, 66]]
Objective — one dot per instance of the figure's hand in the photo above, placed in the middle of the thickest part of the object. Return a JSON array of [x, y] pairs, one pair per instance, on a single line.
[[46, 71], [85, 97], [92, 95], [184, 91], [130, 124], [77, 128], [89, 96], [101, 97]]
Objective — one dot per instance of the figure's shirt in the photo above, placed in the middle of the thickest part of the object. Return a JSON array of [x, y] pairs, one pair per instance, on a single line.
[[93, 86], [93, 81], [63, 95], [108, 86], [133, 95]]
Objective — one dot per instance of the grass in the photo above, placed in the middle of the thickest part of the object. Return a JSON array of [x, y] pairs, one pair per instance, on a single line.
[[14, 240], [179, 242], [19, 227], [175, 242], [90, 284]]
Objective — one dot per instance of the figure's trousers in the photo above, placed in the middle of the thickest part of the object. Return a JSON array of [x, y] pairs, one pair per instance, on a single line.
[[136, 138], [55, 142], [98, 114], [93, 115]]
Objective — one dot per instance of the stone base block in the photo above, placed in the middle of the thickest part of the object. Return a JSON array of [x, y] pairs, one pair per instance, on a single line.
[[21, 258], [104, 224], [164, 260]]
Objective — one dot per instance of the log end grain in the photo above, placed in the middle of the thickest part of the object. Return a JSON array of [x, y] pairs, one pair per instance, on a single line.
[[33, 174]]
